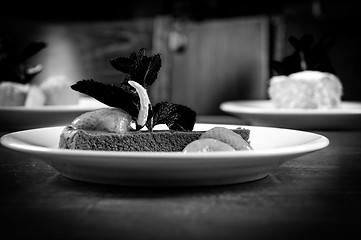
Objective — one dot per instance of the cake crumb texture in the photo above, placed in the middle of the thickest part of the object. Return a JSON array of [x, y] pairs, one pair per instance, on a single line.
[[156, 141]]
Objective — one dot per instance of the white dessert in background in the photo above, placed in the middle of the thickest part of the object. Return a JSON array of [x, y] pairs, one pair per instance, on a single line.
[[54, 90], [306, 90], [35, 97], [58, 92], [13, 94]]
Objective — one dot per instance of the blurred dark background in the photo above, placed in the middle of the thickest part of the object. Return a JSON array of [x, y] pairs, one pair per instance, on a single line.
[[212, 51], [193, 9]]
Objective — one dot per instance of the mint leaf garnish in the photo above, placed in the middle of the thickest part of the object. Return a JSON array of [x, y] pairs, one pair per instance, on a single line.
[[143, 70], [175, 116], [110, 95]]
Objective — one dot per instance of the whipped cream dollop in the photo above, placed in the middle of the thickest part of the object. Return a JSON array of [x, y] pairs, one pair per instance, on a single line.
[[58, 92], [54, 90], [306, 90], [13, 94], [112, 120]]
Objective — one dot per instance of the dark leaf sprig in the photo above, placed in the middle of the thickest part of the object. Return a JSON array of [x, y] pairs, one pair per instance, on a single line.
[[175, 116], [143, 70], [110, 95], [306, 56]]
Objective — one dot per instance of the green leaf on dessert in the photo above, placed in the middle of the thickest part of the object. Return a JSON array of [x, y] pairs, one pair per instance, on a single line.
[[110, 95], [175, 116], [141, 68]]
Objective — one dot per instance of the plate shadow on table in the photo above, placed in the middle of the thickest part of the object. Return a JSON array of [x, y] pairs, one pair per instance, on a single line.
[[115, 191]]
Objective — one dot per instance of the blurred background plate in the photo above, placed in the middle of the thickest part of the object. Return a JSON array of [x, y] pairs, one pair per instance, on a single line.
[[263, 113], [16, 118]]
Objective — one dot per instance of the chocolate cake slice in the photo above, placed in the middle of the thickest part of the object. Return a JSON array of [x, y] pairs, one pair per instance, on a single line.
[[156, 141]]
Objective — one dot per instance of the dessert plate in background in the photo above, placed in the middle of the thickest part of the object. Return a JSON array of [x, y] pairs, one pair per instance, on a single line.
[[272, 147], [263, 113], [19, 118]]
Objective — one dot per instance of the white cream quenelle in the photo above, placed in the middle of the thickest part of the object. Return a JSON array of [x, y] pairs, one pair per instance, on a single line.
[[104, 119]]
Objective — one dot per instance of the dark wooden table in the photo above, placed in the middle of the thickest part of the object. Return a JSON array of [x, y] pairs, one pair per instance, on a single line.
[[316, 196]]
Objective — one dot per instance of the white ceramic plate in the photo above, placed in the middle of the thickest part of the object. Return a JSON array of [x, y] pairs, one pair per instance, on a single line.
[[272, 147], [19, 118], [263, 113]]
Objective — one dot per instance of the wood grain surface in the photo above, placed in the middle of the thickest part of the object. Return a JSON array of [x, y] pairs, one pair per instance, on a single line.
[[316, 196]]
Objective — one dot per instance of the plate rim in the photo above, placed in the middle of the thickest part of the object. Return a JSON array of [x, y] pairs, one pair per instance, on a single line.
[[322, 142], [230, 107], [174, 169]]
